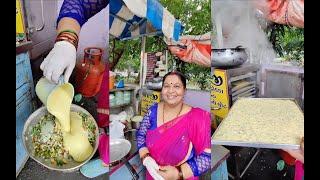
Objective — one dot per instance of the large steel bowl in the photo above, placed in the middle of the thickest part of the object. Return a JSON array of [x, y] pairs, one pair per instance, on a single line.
[[33, 119], [119, 148], [228, 57]]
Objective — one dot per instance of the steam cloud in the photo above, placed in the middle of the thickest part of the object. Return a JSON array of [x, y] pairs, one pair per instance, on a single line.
[[240, 27]]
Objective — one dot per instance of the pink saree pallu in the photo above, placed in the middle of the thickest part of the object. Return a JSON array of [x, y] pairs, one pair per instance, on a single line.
[[103, 148], [103, 117], [299, 171], [169, 144], [103, 100]]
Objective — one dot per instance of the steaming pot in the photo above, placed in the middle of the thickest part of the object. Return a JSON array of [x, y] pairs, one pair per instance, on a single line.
[[228, 57]]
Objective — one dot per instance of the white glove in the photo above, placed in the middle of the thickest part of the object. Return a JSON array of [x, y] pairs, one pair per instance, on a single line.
[[61, 59], [154, 174], [152, 167]]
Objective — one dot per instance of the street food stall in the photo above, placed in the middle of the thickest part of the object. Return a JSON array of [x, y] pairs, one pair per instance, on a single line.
[[153, 66], [139, 21]]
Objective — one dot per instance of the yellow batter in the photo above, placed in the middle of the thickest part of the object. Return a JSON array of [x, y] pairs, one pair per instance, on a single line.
[[59, 103], [76, 142], [75, 138]]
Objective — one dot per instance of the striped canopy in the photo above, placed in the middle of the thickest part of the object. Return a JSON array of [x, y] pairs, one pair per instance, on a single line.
[[135, 18]]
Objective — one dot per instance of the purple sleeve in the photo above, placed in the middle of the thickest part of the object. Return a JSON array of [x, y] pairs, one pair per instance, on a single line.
[[149, 121], [81, 10], [142, 131], [200, 164]]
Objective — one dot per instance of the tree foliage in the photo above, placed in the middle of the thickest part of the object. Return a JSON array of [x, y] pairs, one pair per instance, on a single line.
[[288, 42], [195, 16]]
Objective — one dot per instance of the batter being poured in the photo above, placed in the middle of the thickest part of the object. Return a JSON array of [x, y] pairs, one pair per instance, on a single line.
[[75, 137]]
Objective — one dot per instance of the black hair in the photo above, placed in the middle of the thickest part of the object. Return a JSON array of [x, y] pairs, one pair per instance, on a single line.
[[179, 74]]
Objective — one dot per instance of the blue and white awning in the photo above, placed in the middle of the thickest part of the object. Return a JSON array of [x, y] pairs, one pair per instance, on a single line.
[[134, 18]]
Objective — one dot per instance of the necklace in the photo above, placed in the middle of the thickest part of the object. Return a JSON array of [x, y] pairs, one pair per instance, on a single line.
[[176, 116]]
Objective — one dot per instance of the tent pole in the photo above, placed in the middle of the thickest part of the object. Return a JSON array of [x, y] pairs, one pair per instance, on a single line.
[[219, 31], [142, 68], [166, 59]]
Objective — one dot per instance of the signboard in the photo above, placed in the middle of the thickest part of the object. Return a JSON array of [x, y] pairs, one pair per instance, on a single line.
[[19, 19], [148, 100], [219, 93]]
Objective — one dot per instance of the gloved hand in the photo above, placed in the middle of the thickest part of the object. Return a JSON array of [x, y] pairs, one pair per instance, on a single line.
[[152, 167], [61, 59], [155, 175]]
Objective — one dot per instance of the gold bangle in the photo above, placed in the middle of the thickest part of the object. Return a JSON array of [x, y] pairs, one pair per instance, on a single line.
[[73, 42], [69, 31], [67, 36]]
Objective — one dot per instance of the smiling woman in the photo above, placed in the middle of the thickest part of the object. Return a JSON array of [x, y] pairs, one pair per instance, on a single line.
[[174, 138]]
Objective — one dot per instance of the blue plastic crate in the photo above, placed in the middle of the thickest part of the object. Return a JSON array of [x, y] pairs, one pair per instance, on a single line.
[[23, 110], [23, 71], [24, 104]]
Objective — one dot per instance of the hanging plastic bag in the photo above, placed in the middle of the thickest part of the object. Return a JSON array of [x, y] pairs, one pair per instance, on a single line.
[[116, 129]]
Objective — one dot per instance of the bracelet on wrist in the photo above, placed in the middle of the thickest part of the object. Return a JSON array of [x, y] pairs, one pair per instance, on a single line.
[[180, 174], [144, 156], [72, 41], [69, 36], [68, 40], [69, 31]]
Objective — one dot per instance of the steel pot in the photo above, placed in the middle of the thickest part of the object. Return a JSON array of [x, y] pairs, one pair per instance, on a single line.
[[135, 122], [227, 57], [135, 125], [33, 119]]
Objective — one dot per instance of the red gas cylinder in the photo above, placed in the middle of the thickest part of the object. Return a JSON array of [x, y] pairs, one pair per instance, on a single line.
[[89, 72]]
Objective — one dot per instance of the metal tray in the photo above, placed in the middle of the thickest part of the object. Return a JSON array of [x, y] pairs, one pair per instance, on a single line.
[[251, 143], [119, 148], [33, 119], [254, 144]]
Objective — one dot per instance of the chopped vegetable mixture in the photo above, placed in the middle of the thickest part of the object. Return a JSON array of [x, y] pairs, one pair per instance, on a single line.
[[47, 138]]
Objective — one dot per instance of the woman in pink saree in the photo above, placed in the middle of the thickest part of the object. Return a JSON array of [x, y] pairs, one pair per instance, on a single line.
[[174, 138]]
